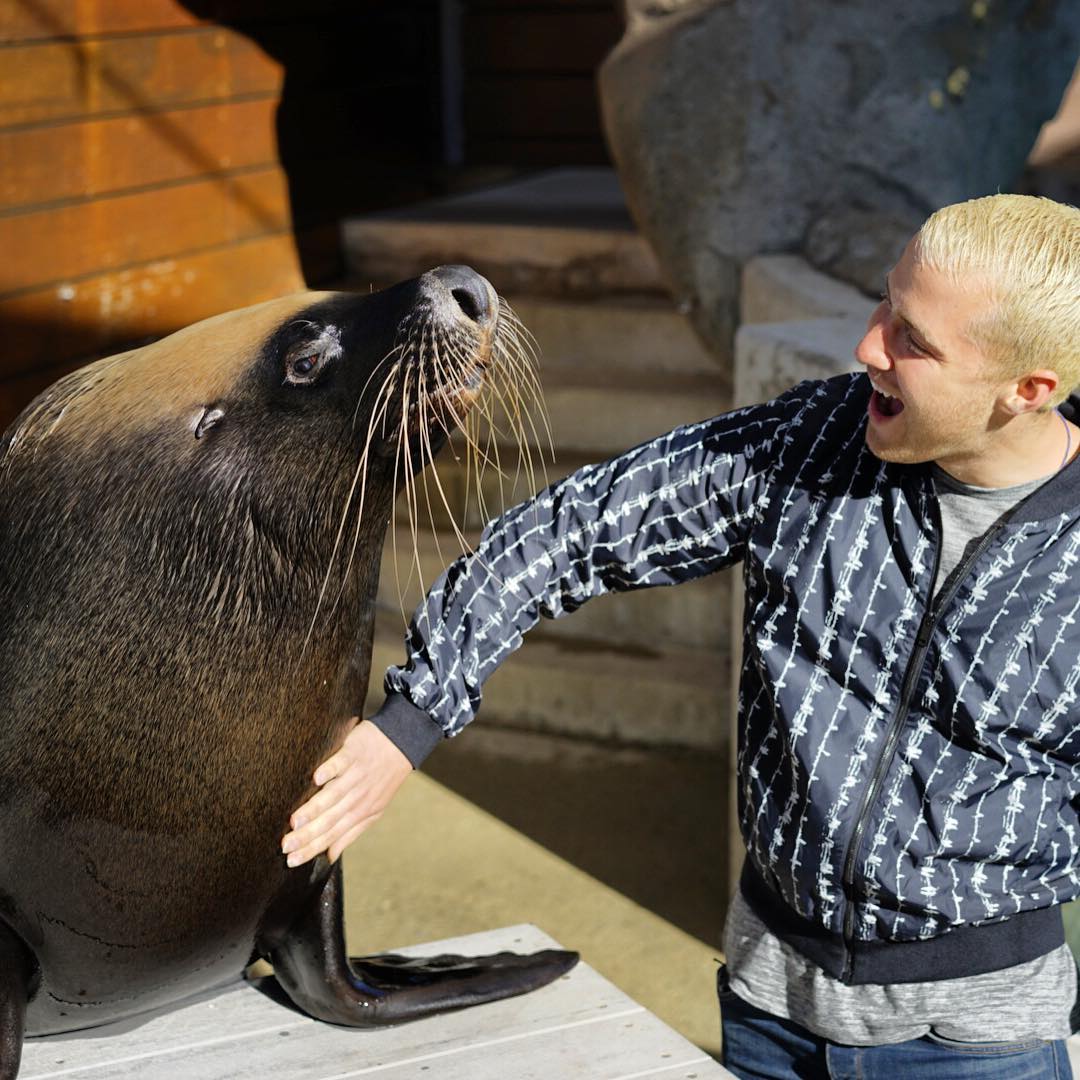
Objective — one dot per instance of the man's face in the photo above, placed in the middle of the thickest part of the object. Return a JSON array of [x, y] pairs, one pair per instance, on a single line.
[[941, 395]]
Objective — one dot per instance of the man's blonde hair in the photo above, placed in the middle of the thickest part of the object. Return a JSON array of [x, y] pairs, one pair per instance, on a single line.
[[1025, 252]]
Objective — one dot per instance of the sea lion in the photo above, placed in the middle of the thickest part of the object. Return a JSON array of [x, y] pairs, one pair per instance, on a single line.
[[189, 552]]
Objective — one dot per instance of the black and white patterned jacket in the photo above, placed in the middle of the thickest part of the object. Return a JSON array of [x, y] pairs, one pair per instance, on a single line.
[[909, 770]]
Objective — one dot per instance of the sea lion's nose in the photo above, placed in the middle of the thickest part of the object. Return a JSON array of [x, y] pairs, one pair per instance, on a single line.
[[472, 294]]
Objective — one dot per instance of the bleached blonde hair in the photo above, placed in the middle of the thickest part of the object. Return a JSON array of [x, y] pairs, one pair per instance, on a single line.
[[1025, 252]]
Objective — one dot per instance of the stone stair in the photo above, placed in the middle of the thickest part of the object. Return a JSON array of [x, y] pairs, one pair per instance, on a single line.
[[618, 365]]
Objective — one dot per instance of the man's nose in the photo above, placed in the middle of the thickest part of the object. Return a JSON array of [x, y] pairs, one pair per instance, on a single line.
[[871, 349]]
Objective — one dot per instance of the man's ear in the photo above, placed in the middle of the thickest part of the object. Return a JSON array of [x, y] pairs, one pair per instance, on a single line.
[[1030, 393]]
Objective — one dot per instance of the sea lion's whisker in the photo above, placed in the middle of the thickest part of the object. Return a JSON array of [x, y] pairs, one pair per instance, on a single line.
[[524, 415], [515, 362], [389, 377], [401, 456], [530, 406], [359, 510], [381, 403], [507, 313], [460, 426], [433, 374], [375, 371], [514, 342], [359, 476]]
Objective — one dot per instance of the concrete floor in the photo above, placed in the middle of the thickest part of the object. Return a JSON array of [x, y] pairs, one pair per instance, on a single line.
[[438, 865], [648, 823]]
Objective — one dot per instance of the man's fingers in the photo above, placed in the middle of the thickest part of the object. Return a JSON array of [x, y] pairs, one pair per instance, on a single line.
[[341, 844], [331, 767], [331, 839], [355, 785], [339, 788], [317, 816]]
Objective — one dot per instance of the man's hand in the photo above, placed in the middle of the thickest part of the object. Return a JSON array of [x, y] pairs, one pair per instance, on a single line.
[[357, 784]]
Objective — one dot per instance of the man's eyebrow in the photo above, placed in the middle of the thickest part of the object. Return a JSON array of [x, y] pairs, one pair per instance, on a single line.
[[923, 339]]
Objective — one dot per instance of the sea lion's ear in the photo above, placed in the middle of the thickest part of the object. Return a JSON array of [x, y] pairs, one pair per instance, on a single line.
[[210, 416]]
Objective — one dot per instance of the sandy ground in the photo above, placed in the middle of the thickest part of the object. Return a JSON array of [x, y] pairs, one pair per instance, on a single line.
[[617, 854]]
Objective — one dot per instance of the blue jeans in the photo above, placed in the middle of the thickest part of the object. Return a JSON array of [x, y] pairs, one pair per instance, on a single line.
[[758, 1044]]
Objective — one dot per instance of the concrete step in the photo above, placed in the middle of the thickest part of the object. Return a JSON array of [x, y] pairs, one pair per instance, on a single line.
[[588, 420], [599, 421], [651, 622], [567, 688], [564, 232], [458, 481], [772, 357], [613, 337], [786, 288]]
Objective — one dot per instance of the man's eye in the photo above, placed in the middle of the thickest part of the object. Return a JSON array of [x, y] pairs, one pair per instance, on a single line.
[[912, 343]]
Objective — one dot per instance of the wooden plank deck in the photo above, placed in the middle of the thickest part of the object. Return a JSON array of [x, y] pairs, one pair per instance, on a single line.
[[582, 1026]]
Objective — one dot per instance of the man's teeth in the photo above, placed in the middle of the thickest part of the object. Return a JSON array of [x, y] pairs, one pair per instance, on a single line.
[[888, 404]]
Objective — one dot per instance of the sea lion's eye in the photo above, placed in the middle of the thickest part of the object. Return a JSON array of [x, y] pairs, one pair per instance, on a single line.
[[308, 359], [304, 365]]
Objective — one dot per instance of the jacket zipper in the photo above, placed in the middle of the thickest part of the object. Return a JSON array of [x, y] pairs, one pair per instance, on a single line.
[[911, 673]]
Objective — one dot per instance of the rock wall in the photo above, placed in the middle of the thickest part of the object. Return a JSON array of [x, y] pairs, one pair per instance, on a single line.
[[830, 128]]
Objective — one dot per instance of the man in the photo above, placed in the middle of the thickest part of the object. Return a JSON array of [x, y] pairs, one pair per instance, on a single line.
[[909, 753]]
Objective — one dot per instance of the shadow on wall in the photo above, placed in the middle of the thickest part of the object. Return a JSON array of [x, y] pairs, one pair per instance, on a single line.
[[25, 383], [157, 171], [357, 123]]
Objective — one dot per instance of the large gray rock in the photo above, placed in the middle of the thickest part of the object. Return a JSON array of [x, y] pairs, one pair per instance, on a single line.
[[830, 127]]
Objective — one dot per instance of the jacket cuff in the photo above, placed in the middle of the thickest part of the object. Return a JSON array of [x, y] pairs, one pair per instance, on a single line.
[[410, 729]]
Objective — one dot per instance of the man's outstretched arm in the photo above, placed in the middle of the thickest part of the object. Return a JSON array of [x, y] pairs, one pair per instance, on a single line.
[[673, 509]]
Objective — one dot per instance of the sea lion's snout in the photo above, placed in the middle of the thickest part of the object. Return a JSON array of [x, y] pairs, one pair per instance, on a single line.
[[457, 291], [445, 343]]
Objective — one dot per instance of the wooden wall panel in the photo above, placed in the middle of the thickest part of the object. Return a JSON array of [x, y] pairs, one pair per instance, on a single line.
[[152, 152], [46, 327], [97, 157], [106, 234], [28, 20], [69, 80]]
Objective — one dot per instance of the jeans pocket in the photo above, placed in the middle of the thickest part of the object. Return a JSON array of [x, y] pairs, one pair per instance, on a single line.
[[988, 1049]]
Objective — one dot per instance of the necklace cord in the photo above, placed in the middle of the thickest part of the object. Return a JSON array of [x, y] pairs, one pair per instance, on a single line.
[[1068, 440]]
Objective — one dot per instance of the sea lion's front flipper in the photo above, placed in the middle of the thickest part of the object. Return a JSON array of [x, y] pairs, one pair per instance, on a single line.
[[311, 967], [16, 973]]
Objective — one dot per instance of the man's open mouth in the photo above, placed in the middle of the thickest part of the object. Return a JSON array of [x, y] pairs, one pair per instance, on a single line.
[[884, 404]]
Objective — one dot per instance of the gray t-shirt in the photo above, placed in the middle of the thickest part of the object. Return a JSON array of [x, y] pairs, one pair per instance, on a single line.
[[976, 1008]]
